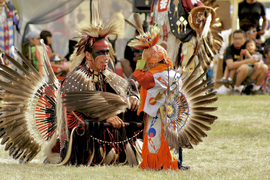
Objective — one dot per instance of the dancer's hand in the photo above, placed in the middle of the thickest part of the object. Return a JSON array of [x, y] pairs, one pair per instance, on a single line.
[[115, 121], [134, 103]]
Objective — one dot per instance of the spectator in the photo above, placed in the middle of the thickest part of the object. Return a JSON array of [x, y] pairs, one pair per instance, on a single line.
[[251, 33], [8, 18], [131, 56], [249, 52], [244, 73], [36, 55], [71, 47], [266, 83], [253, 11], [266, 54], [47, 38]]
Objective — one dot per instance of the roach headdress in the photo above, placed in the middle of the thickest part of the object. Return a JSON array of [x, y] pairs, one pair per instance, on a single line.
[[89, 33]]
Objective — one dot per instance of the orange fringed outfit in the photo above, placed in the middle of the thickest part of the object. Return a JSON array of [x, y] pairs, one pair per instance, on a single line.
[[155, 152]]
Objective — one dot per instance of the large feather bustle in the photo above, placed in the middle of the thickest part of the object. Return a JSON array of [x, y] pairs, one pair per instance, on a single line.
[[198, 98], [27, 109]]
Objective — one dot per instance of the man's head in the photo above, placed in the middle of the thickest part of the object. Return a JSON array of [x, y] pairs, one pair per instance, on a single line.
[[97, 56], [251, 32], [239, 38], [250, 28], [33, 37]]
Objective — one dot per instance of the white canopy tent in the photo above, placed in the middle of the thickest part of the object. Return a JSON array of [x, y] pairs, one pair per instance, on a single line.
[[61, 17], [34, 12]]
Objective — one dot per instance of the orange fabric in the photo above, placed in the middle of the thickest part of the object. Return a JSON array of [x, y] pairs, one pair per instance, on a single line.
[[162, 159], [158, 54], [143, 93]]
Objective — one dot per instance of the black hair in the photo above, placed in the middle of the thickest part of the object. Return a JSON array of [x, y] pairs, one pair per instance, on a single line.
[[248, 41], [266, 50], [239, 31], [90, 48], [43, 35], [246, 25]]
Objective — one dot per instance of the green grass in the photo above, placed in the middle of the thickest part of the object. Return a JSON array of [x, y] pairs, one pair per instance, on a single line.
[[237, 147]]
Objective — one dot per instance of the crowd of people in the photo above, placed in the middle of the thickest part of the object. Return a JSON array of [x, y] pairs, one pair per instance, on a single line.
[[245, 61]]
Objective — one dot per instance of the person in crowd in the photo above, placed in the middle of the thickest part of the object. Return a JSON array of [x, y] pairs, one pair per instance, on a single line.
[[47, 38], [71, 47], [248, 51], [34, 54], [266, 82], [244, 73], [131, 56], [8, 17], [251, 33], [253, 11], [266, 54]]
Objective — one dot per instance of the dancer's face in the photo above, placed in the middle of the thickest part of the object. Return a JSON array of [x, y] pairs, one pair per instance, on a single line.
[[99, 58]]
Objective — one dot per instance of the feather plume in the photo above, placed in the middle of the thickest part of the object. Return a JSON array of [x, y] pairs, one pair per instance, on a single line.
[[130, 155], [95, 104]]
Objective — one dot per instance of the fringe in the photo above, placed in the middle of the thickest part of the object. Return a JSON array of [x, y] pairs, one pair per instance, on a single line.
[[162, 159]]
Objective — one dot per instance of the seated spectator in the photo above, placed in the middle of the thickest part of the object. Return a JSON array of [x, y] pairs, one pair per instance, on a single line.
[[34, 54], [248, 51], [244, 73], [71, 47], [251, 33], [266, 83], [131, 56], [47, 38], [266, 54]]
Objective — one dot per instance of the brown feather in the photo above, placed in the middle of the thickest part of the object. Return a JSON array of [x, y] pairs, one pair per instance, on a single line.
[[204, 109], [205, 102], [204, 97], [200, 125], [202, 90], [138, 23], [203, 119]]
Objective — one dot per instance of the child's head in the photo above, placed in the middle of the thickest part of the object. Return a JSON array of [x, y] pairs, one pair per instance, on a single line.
[[266, 53], [250, 45]]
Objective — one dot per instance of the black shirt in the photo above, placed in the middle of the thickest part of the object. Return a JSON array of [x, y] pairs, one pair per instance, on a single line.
[[131, 52], [252, 12], [231, 53]]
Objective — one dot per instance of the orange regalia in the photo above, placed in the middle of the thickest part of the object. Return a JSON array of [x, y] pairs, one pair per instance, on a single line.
[[176, 112]]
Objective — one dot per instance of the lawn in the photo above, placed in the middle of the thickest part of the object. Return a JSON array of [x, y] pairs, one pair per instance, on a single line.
[[237, 147]]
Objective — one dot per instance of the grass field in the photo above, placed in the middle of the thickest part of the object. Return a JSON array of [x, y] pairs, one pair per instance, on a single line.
[[237, 147]]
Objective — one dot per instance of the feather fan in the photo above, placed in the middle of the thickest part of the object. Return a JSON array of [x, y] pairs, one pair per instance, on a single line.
[[28, 102]]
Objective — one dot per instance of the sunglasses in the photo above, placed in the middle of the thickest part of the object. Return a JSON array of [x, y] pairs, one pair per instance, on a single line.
[[252, 31]]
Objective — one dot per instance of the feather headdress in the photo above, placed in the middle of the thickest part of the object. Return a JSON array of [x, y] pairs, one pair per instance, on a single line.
[[89, 33], [143, 40]]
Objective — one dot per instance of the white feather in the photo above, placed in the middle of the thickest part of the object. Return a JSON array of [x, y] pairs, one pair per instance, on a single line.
[[207, 26]]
